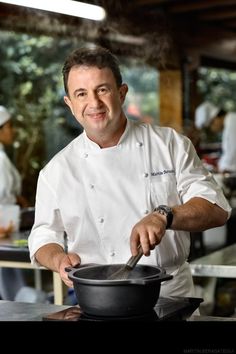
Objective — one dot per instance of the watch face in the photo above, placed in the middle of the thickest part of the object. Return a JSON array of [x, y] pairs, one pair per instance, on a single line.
[[166, 210]]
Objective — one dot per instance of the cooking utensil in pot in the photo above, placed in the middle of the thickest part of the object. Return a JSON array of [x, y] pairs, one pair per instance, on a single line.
[[124, 271], [97, 295]]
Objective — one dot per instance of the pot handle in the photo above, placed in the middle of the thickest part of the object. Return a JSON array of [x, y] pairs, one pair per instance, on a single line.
[[78, 266], [160, 278]]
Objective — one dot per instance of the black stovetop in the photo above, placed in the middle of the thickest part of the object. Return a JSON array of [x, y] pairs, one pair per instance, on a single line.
[[166, 309]]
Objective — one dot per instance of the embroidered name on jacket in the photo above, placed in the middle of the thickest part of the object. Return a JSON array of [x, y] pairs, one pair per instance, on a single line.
[[164, 172]]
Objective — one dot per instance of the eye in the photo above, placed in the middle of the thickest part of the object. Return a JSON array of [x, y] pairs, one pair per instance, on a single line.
[[81, 95], [102, 91]]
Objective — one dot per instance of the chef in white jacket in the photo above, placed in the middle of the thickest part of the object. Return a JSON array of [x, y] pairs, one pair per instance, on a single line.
[[120, 184], [227, 160], [11, 279], [10, 179], [218, 121]]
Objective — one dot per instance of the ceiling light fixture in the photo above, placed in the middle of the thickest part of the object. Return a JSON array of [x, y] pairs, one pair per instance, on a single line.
[[65, 7]]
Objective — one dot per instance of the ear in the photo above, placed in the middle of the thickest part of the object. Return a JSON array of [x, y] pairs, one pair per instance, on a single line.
[[123, 91], [68, 103]]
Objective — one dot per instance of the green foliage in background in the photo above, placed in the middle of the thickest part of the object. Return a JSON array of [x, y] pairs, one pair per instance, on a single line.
[[218, 86], [31, 88], [143, 84]]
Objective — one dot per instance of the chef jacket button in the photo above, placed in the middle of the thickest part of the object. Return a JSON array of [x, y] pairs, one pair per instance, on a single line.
[[145, 174], [139, 144], [101, 220], [92, 186], [146, 212], [112, 254], [85, 155]]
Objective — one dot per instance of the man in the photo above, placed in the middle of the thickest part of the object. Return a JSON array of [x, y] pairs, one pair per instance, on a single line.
[[120, 184]]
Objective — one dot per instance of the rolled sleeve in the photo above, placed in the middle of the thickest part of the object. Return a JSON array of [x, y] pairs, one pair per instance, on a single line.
[[194, 180]]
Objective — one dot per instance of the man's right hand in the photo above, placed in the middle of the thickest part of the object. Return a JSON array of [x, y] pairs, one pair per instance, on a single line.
[[53, 256], [69, 260]]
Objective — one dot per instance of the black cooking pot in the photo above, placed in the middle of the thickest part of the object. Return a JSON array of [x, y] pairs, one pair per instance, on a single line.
[[97, 295]]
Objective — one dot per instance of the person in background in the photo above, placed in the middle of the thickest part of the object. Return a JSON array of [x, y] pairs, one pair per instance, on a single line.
[[226, 123], [10, 179], [11, 279], [220, 122], [205, 113], [120, 184], [222, 126]]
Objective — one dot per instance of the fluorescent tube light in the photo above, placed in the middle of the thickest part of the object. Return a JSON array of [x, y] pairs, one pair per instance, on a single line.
[[65, 7]]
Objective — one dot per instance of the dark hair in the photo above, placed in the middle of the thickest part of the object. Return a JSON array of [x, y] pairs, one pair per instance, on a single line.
[[95, 56], [221, 113]]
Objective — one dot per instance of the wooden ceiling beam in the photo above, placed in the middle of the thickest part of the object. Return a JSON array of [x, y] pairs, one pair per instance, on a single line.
[[202, 35], [216, 15], [188, 6], [151, 2], [230, 23]]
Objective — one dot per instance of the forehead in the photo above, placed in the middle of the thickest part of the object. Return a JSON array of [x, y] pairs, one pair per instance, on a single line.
[[90, 75], [7, 124]]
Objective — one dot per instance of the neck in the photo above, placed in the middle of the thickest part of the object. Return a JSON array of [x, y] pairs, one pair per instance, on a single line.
[[111, 138]]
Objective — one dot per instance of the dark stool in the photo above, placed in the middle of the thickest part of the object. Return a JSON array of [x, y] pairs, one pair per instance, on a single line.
[[231, 228], [197, 248]]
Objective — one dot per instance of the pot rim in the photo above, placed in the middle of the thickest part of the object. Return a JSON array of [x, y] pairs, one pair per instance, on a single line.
[[161, 276]]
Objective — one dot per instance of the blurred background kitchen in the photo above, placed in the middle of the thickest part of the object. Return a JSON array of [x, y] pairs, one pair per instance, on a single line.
[[174, 55]]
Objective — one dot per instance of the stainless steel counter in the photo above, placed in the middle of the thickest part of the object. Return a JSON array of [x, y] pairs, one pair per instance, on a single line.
[[219, 264], [22, 311], [211, 319]]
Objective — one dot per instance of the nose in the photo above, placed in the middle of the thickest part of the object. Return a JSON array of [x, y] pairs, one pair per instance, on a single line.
[[94, 100]]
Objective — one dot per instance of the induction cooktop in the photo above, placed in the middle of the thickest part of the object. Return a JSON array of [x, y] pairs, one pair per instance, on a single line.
[[166, 309]]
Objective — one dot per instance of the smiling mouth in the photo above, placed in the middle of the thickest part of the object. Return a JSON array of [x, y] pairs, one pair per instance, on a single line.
[[95, 116]]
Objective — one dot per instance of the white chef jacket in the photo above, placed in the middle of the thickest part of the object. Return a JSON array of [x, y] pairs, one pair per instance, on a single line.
[[227, 160], [10, 179], [97, 195]]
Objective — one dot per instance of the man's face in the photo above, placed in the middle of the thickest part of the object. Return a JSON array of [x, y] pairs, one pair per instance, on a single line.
[[95, 100]]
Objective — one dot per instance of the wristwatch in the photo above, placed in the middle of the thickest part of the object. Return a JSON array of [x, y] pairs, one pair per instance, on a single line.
[[167, 211]]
